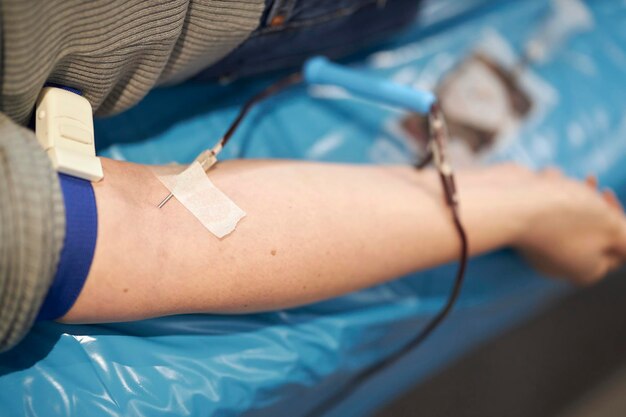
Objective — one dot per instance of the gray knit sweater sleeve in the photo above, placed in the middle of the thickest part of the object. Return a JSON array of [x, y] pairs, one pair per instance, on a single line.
[[114, 51], [32, 227]]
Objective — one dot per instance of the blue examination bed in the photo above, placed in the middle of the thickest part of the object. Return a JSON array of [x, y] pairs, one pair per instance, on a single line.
[[287, 362]]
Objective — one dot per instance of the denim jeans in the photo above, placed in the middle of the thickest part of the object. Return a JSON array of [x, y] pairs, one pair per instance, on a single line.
[[292, 30]]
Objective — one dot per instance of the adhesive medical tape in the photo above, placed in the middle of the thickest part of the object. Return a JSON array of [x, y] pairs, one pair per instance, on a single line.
[[195, 191]]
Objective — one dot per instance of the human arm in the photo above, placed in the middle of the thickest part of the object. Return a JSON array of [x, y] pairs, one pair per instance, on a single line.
[[314, 231]]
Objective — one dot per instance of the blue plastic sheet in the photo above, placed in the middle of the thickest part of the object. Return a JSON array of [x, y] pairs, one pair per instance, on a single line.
[[286, 362]]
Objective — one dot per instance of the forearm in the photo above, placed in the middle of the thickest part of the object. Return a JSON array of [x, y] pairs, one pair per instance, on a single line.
[[312, 231]]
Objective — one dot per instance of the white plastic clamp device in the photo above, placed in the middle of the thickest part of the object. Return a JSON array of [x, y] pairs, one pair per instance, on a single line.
[[64, 127]]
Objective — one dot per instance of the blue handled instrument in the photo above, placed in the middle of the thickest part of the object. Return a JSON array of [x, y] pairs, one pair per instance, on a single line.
[[320, 70]]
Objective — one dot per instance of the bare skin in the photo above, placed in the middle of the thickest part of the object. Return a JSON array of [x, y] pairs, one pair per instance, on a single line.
[[315, 231]]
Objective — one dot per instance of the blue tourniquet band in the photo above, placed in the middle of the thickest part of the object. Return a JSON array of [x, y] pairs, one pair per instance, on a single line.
[[81, 231]]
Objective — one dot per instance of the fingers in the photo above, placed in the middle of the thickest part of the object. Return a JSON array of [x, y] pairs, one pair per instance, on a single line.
[[612, 200], [619, 248], [608, 195], [592, 181], [608, 263]]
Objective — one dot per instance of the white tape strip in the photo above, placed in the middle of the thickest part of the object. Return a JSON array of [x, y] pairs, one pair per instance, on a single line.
[[192, 187]]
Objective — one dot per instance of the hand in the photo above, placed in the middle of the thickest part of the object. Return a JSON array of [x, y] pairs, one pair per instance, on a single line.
[[577, 232]]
